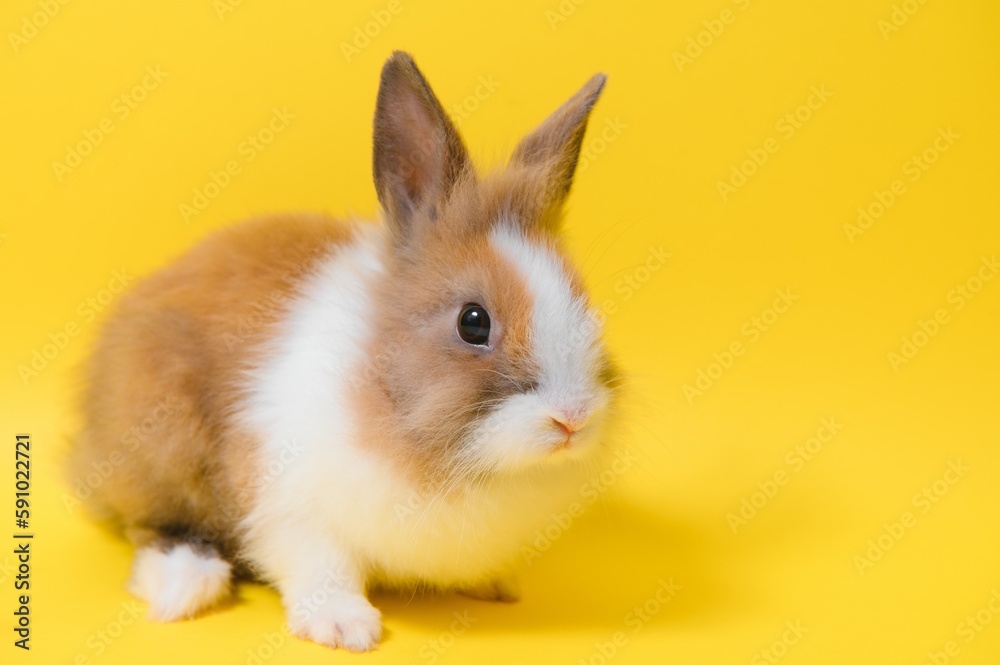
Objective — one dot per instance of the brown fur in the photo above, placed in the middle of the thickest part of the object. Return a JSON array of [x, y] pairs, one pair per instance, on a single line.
[[163, 379]]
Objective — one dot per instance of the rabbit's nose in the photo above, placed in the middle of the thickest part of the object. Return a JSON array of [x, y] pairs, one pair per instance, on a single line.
[[570, 421]]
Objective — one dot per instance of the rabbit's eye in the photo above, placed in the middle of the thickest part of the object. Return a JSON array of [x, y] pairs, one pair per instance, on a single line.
[[474, 325]]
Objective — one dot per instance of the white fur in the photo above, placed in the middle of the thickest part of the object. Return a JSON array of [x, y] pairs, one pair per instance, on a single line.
[[565, 342], [338, 515], [179, 583], [564, 336], [341, 620]]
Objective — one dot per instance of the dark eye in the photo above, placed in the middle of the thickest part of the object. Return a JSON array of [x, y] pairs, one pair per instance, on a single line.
[[474, 325]]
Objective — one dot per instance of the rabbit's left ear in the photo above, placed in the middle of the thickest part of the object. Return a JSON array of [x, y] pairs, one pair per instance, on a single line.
[[554, 147], [418, 155]]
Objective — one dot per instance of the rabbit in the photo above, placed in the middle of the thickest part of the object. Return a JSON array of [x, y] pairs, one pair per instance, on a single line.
[[334, 406]]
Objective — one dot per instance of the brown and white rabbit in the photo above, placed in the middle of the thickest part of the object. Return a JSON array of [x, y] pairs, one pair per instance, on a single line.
[[330, 406]]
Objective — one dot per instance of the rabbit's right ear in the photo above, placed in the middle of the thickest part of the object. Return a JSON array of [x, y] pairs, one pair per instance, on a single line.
[[418, 155], [553, 149]]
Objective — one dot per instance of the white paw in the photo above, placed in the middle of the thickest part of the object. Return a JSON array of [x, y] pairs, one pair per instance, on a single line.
[[179, 582], [345, 620]]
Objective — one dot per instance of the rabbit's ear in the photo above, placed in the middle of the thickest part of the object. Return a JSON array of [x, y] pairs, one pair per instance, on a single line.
[[553, 148], [418, 155]]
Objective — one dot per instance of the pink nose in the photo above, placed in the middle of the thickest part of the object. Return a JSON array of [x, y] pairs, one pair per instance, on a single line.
[[570, 421], [565, 427]]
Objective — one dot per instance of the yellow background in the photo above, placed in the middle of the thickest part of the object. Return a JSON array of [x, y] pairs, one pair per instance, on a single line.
[[674, 129]]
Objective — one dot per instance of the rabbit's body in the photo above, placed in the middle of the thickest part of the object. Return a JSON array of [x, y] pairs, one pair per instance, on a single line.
[[332, 405]]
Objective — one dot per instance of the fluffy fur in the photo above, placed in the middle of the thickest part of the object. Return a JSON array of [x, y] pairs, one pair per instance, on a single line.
[[179, 582], [327, 429]]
